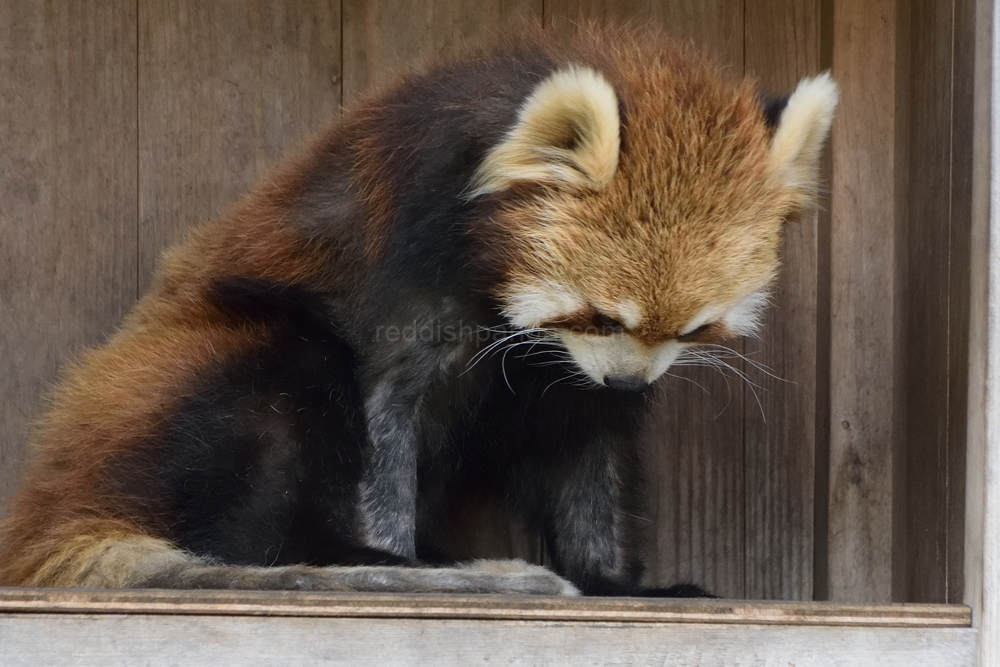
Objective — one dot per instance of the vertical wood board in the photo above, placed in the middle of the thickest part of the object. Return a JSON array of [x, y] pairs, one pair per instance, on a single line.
[[961, 159], [862, 318], [782, 47], [386, 38], [927, 322], [225, 88], [982, 526], [67, 196]]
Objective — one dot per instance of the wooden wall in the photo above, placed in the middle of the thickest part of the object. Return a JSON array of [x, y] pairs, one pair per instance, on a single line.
[[837, 473]]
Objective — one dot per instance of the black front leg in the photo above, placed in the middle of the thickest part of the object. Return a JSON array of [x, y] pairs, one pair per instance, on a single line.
[[585, 529], [401, 416], [388, 492], [592, 528]]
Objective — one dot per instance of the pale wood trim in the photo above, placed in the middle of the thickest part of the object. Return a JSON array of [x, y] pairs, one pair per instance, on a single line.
[[982, 533], [482, 607], [68, 640]]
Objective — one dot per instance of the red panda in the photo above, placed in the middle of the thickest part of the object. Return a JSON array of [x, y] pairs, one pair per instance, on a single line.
[[465, 285]]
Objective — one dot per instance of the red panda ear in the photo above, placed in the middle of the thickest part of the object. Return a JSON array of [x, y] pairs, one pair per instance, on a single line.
[[799, 136], [566, 136]]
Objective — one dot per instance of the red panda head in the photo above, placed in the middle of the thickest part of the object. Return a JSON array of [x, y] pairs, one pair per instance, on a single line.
[[658, 194]]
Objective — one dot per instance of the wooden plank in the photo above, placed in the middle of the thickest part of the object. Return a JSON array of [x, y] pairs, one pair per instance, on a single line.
[[937, 299], [782, 46], [962, 142], [71, 640], [374, 605], [383, 38], [863, 309], [224, 89], [982, 523], [695, 468], [921, 558], [67, 196], [695, 438]]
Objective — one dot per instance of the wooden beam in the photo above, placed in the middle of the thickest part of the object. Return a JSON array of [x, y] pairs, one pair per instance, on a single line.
[[982, 500], [68, 640], [482, 607]]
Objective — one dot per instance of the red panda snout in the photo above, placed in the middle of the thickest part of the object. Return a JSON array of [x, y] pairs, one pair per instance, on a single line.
[[619, 356]]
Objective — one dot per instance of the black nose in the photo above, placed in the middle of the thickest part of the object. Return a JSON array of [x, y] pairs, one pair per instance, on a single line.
[[625, 382]]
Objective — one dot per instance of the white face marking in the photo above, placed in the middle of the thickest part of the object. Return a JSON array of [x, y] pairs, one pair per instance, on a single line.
[[743, 319], [619, 355], [528, 306], [628, 313], [706, 315]]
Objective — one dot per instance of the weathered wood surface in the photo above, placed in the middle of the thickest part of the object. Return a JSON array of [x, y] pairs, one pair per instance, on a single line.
[[67, 196], [963, 142], [383, 38], [899, 301], [982, 527], [39, 640], [632, 610], [864, 307], [225, 88], [936, 305], [782, 46]]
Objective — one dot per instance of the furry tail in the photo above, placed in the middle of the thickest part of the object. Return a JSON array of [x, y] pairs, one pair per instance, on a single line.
[[136, 561]]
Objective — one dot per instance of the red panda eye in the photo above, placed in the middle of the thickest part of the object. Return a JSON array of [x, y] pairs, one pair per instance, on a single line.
[[693, 335], [606, 325]]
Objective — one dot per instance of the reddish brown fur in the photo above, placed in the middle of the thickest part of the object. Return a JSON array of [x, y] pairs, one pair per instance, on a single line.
[[112, 400], [704, 225]]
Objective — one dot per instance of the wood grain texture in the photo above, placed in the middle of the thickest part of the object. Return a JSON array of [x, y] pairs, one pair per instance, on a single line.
[[863, 310], [225, 88], [959, 306], [922, 558], [695, 460], [72, 640], [384, 38], [782, 46], [377, 605], [982, 525], [67, 196]]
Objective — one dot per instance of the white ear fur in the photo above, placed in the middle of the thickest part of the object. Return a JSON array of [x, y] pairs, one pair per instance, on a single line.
[[798, 140], [566, 135]]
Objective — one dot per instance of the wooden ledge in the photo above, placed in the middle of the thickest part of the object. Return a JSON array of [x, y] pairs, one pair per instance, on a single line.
[[480, 607]]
